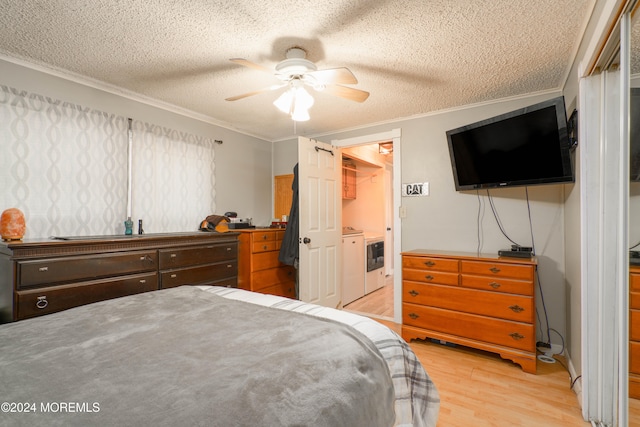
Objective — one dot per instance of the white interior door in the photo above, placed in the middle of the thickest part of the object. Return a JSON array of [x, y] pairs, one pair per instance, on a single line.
[[320, 213]]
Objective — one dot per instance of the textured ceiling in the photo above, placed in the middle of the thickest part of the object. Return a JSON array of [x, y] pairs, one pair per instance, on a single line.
[[413, 56]]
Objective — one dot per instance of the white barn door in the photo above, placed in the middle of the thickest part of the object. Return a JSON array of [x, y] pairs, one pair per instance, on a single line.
[[320, 214]]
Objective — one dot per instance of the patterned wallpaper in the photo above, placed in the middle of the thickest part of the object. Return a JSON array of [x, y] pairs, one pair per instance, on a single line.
[[65, 167]]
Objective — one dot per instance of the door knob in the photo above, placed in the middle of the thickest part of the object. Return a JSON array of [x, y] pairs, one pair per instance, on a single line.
[[306, 240]]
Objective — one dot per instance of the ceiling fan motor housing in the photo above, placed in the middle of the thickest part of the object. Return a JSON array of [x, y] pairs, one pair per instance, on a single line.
[[296, 63]]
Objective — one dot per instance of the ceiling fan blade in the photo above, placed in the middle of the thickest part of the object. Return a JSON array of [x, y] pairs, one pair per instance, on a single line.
[[340, 75], [347, 93], [255, 92], [250, 64]]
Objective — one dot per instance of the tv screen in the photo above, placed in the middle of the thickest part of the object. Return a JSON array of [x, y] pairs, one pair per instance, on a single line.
[[529, 146]]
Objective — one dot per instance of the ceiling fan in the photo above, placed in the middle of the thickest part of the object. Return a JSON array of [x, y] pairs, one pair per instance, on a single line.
[[297, 71]]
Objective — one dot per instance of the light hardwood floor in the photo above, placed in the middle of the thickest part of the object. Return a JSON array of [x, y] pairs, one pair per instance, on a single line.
[[377, 303], [478, 388], [481, 389]]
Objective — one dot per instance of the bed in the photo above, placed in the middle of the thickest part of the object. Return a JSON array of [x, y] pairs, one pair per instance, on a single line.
[[201, 355]]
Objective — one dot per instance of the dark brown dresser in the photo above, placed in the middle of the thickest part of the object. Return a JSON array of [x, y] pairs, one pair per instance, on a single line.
[[39, 277]]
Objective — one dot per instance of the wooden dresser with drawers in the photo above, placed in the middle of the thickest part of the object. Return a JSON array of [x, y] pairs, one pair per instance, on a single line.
[[258, 267], [39, 277], [485, 302]]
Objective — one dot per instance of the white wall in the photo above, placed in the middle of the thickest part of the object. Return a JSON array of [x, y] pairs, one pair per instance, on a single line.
[[243, 163], [446, 219]]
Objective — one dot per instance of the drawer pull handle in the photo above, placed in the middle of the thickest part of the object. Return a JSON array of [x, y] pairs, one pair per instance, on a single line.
[[516, 336], [516, 308], [229, 265], [42, 302], [173, 276], [143, 281], [413, 293], [413, 316], [429, 277], [173, 255], [494, 270], [229, 249], [142, 258], [429, 263], [265, 247], [43, 269], [264, 237], [494, 285]]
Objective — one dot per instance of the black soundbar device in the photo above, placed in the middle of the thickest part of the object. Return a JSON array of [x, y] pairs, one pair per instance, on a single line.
[[514, 254]]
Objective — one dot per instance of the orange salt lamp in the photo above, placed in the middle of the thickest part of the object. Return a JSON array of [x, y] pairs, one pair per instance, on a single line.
[[12, 225]]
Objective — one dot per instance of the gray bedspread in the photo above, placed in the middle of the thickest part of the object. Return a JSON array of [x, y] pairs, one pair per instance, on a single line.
[[186, 357]]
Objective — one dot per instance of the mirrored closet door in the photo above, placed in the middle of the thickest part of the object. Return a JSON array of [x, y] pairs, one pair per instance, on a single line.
[[634, 220]]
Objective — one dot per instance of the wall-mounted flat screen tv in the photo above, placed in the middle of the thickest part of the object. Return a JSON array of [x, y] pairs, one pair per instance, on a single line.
[[529, 146]]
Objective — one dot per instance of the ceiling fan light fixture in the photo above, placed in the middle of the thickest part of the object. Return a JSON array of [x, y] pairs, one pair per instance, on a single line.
[[296, 102], [300, 115], [284, 102], [302, 98]]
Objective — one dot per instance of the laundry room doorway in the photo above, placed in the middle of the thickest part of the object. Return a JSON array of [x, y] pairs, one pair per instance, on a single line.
[[371, 204]]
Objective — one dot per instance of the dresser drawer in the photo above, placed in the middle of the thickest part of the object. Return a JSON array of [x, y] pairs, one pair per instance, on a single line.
[[497, 284], [504, 306], [287, 289], [264, 236], [433, 264], [634, 357], [428, 276], [36, 302], [513, 271], [270, 245], [184, 257], [266, 278], [634, 325], [80, 268], [496, 331], [634, 288], [201, 275], [265, 260], [634, 300]]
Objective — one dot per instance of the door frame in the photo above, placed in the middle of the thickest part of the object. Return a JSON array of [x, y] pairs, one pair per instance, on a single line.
[[394, 135]]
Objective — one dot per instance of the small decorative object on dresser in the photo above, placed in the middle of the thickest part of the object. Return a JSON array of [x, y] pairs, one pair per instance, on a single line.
[[12, 224], [480, 301]]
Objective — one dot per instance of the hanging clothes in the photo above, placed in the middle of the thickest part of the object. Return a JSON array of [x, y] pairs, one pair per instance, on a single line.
[[290, 249]]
